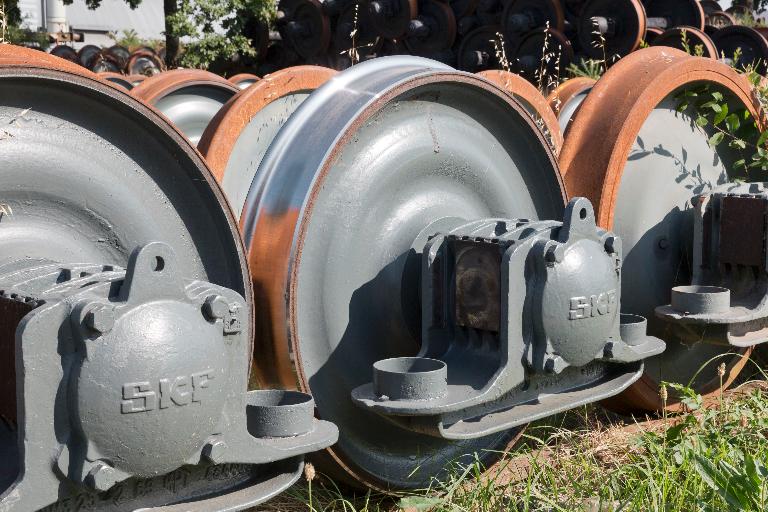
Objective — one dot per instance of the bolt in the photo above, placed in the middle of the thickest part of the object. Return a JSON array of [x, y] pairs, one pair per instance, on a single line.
[[215, 307], [214, 451], [554, 364], [101, 477], [100, 318], [611, 244], [663, 243]]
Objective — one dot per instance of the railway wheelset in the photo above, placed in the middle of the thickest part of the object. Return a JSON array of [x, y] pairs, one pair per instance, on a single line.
[[379, 268], [529, 37]]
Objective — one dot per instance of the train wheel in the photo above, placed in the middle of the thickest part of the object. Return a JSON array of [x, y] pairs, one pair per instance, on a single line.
[[386, 149], [238, 136], [190, 98], [533, 102], [641, 173]]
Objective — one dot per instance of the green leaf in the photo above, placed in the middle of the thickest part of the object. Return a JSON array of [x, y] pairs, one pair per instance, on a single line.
[[718, 96], [419, 502], [733, 122], [763, 137], [716, 139], [720, 115], [702, 121], [737, 143]]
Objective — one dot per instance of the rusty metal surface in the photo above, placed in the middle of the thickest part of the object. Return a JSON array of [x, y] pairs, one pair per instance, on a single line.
[[532, 100], [225, 128], [11, 313]]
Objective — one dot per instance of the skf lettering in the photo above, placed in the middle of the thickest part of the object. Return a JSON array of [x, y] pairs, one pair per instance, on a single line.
[[175, 391], [594, 305]]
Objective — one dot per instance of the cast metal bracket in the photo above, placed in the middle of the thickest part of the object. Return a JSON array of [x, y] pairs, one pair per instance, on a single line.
[[727, 301], [132, 392], [520, 321]]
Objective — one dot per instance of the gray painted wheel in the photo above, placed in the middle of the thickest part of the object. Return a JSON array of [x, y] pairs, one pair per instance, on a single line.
[[89, 174], [370, 162], [189, 98]]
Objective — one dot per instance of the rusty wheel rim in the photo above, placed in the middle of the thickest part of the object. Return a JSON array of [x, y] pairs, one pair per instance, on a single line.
[[189, 98], [565, 99], [695, 39], [594, 167], [533, 102], [239, 135]]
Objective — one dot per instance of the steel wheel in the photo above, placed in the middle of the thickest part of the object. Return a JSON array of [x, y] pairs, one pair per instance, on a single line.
[[567, 97], [477, 49], [189, 98], [390, 18], [355, 175], [694, 38], [532, 100], [118, 79], [144, 62], [305, 27], [65, 52], [244, 80], [677, 13], [238, 136], [522, 16], [531, 62], [638, 174], [118, 164], [651, 33], [440, 32], [751, 43], [630, 27], [85, 53]]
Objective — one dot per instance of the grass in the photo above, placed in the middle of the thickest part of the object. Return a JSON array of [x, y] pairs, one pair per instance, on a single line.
[[712, 458]]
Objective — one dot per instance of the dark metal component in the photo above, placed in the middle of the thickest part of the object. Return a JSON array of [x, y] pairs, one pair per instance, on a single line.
[[727, 302], [355, 32], [749, 43], [478, 50], [674, 13], [620, 23], [710, 6], [86, 52], [522, 16], [304, 26], [433, 31], [511, 308], [144, 62], [530, 60], [718, 19], [65, 52], [120, 54], [391, 18]]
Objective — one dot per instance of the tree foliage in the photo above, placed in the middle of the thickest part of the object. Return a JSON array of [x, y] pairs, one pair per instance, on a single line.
[[213, 29]]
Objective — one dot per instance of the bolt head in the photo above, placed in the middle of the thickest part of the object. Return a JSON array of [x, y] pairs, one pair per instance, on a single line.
[[214, 451], [101, 477], [554, 364], [100, 318], [215, 307]]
